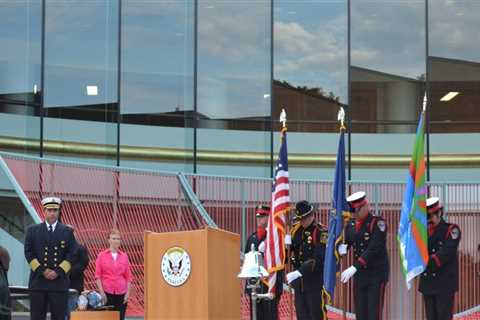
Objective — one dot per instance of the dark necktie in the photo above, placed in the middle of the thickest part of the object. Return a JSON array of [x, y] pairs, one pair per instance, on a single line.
[[50, 229]]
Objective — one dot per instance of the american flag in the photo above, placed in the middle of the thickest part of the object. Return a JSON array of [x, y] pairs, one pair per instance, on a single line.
[[275, 247]]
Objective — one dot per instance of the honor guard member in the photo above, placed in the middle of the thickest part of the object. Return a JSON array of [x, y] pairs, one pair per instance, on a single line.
[[308, 239], [367, 235], [266, 309], [439, 282], [49, 248]]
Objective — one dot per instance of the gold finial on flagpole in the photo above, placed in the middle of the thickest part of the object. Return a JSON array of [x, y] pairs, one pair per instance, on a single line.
[[283, 118], [341, 118]]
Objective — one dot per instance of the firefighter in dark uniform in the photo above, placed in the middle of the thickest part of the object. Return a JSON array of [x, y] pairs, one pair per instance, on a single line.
[[308, 241], [439, 282], [266, 309], [367, 235], [49, 249]]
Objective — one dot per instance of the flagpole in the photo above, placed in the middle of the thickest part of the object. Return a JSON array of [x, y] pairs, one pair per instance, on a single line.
[[283, 121], [341, 118]]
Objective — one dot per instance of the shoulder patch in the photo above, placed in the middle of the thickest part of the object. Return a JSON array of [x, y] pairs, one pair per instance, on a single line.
[[381, 225], [455, 233]]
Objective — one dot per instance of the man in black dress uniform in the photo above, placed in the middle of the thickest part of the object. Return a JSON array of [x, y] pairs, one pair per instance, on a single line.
[[49, 249], [367, 235], [309, 240], [266, 309], [439, 282]]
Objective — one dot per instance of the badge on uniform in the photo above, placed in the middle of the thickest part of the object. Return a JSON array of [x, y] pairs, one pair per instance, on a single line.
[[309, 239], [324, 238], [455, 233], [381, 225]]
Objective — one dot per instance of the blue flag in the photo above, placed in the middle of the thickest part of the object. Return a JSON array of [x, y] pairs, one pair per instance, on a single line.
[[335, 224]]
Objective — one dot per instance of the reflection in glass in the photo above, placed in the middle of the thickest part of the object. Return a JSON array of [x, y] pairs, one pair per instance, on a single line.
[[234, 80], [233, 59], [157, 57], [81, 43], [454, 65], [310, 54], [388, 65], [20, 36], [157, 82]]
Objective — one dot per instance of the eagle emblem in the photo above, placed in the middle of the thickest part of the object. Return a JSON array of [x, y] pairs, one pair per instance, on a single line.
[[176, 266]]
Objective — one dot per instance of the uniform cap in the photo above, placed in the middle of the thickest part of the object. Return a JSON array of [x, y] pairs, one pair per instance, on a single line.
[[433, 204], [357, 199], [302, 209], [51, 202], [262, 210]]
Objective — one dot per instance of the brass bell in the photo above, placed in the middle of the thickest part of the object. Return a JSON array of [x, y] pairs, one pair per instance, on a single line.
[[252, 265]]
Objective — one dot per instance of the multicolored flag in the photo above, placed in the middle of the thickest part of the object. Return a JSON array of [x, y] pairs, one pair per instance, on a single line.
[[412, 232], [277, 220], [335, 224]]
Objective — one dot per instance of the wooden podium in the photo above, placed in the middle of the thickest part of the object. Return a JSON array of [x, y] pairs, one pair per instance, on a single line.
[[192, 275]]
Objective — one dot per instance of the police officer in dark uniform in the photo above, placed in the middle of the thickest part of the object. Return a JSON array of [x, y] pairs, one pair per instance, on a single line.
[[49, 249], [308, 239], [367, 235], [439, 282], [266, 309]]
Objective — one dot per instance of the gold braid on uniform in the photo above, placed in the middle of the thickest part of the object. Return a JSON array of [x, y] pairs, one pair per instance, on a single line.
[[65, 265], [34, 264], [295, 228], [324, 306]]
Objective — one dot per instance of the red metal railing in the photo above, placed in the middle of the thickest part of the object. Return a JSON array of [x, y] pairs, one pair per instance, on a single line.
[[98, 197]]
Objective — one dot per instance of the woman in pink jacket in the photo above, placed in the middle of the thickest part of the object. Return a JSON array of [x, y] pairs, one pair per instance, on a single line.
[[113, 276]]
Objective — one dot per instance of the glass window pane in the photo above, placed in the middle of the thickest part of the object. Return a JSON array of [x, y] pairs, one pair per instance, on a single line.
[[311, 66], [157, 53], [81, 44], [20, 36], [454, 65], [233, 59], [157, 84], [234, 85], [387, 65], [81, 51]]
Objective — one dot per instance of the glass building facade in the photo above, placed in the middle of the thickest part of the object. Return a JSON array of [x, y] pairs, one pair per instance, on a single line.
[[198, 85]]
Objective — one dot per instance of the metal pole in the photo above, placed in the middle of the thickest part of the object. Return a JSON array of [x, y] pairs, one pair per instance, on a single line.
[[195, 79], [244, 213], [119, 79], [254, 303]]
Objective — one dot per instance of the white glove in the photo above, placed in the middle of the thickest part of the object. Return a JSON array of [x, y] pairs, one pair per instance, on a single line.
[[342, 249], [291, 276], [261, 247], [288, 240], [348, 273]]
